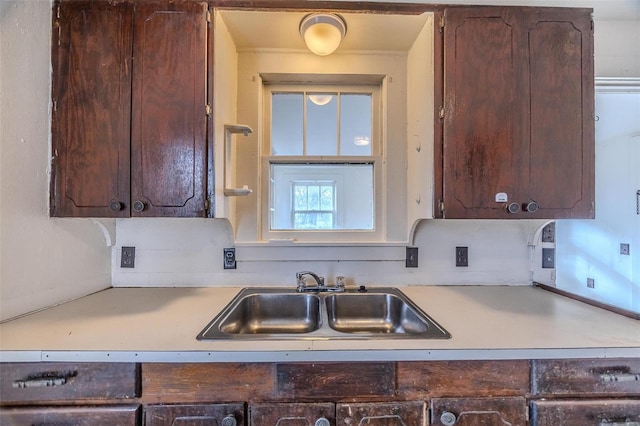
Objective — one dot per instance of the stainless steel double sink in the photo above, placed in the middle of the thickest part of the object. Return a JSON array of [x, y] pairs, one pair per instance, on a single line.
[[282, 313]]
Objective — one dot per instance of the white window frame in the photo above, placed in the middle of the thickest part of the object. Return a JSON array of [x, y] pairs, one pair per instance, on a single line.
[[376, 159]]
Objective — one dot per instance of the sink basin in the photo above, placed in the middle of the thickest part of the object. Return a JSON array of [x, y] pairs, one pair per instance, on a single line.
[[273, 313], [373, 313], [283, 313]]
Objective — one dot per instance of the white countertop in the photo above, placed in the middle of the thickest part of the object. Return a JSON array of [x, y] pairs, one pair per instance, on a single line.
[[161, 324]]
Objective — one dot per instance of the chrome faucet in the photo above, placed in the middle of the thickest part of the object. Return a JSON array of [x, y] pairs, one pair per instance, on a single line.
[[319, 287]]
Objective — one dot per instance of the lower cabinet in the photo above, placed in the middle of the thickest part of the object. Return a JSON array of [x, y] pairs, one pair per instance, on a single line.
[[402, 413], [585, 392], [576, 412], [294, 414], [195, 415], [125, 415], [578, 392], [479, 411]]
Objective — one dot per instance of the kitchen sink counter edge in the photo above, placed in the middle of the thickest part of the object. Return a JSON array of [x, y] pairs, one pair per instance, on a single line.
[[160, 324]]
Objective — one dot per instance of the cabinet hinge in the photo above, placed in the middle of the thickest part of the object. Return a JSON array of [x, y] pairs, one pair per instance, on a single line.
[[441, 23], [441, 113], [207, 109], [55, 105], [208, 16], [207, 204], [58, 12], [441, 206]]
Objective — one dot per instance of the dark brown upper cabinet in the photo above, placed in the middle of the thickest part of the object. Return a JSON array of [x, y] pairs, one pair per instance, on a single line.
[[518, 129], [129, 124]]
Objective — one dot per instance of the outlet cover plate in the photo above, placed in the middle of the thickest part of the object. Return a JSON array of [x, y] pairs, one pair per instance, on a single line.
[[462, 256], [128, 257], [229, 258], [548, 258], [411, 257], [624, 249]]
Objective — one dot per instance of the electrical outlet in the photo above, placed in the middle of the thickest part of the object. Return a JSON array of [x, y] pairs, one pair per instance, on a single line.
[[411, 260], [128, 257], [548, 258], [229, 258], [462, 256], [624, 249], [549, 233], [591, 283]]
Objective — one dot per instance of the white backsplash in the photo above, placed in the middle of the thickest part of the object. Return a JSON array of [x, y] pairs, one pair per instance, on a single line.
[[188, 252]]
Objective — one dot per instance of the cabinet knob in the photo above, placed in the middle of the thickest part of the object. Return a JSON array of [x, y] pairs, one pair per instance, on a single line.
[[138, 206], [116, 206], [513, 208], [322, 422], [448, 418], [229, 420], [530, 207]]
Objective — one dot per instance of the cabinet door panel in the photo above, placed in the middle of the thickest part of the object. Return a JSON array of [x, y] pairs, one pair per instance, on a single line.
[[36, 382], [76, 416], [290, 414], [409, 413], [570, 377], [585, 412], [193, 414], [169, 117], [479, 411], [482, 115], [561, 116], [92, 104]]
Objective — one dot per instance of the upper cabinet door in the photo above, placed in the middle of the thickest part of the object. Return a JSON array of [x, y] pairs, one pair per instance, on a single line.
[[482, 110], [169, 122], [518, 113], [560, 89], [92, 103]]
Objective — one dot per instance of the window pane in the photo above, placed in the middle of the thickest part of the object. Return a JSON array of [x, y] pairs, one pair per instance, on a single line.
[[355, 124], [286, 124], [326, 198], [322, 124], [321, 197]]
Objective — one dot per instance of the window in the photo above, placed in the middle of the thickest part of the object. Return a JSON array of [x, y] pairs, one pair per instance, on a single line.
[[313, 204], [322, 154]]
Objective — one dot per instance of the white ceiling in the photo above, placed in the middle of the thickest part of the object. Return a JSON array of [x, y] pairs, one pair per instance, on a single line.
[[382, 32]]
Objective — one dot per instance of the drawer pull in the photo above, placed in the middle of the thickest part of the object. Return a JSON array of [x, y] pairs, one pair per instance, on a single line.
[[39, 383], [622, 377]]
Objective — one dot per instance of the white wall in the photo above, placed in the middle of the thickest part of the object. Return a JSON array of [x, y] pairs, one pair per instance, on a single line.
[[188, 252], [591, 248], [43, 261]]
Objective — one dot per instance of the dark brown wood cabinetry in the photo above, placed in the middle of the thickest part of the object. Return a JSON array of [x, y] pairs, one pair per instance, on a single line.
[[569, 392], [194, 415], [478, 411], [518, 138], [101, 394], [585, 392], [129, 123]]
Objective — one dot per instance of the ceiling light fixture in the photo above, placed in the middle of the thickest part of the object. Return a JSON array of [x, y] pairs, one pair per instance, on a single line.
[[321, 99], [361, 141], [323, 32]]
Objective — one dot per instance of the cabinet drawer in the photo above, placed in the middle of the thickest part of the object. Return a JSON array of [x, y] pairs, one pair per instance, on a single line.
[[610, 377], [613, 412], [194, 414], [478, 411], [29, 382], [122, 415]]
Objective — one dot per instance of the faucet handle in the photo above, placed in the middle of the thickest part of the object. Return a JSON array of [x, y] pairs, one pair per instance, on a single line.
[[340, 281]]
